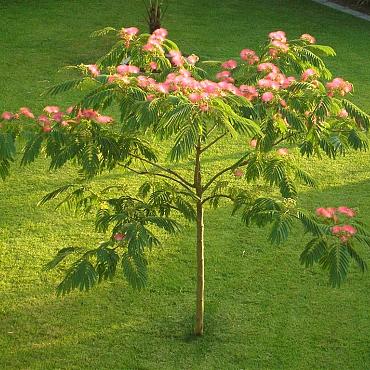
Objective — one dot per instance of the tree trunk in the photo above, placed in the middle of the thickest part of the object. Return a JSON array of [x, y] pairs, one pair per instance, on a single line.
[[199, 323]]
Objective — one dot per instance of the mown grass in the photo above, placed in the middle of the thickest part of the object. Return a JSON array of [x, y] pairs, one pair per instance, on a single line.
[[263, 310]]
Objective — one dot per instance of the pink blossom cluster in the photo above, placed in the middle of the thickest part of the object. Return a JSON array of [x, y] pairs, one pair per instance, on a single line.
[[53, 114], [196, 91], [93, 69], [155, 40], [343, 113], [119, 237], [176, 58], [308, 73], [126, 69], [333, 212], [238, 173], [340, 86], [199, 92], [308, 38], [192, 59], [249, 56], [128, 34], [343, 232], [273, 80], [278, 43], [230, 64], [93, 115]]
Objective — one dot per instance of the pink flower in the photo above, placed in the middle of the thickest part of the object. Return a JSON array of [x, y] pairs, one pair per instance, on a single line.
[[229, 64], [283, 103], [336, 229], [249, 56], [307, 74], [265, 83], [153, 66], [176, 58], [128, 34], [47, 127], [70, 110], [143, 81], [238, 172], [88, 113], [273, 53], [162, 88], [93, 69], [126, 69], [58, 117], [192, 59], [307, 37], [150, 97], [26, 112], [132, 31], [103, 119], [267, 67], [253, 143], [340, 86], [223, 75], [280, 46], [160, 33], [204, 107], [7, 116], [194, 97], [283, 151], [119, 236], [287, 82], [148, 47], [267, 96], [349, 212], [51, 109], [326, 212], [249, 92], [349, 229], [44, 119], [344, 232], [343, 113], [278, 36]]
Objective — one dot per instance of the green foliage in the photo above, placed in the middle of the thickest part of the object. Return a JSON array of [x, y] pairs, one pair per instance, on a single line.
[[135, 270], [302, 115], [81, 275]]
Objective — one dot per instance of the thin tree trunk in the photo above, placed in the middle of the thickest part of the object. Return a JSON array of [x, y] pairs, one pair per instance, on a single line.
[[199, 323]]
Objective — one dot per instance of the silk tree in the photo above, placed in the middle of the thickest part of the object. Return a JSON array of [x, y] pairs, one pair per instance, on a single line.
[[281, 102]]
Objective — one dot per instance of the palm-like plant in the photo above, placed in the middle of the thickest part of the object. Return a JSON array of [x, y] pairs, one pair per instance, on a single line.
[[166, 98], [155, 10]]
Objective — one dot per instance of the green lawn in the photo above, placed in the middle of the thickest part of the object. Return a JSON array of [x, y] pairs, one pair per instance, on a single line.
[[263, 310]]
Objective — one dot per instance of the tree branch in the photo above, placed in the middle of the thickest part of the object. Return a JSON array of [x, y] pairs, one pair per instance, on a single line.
[[174, 173], [240, 162], [157, 174], [212, 129], [216, 196], [282, 139], [213, 142]]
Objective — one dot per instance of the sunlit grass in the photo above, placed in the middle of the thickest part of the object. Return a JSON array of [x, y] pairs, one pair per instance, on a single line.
[[263, 310]]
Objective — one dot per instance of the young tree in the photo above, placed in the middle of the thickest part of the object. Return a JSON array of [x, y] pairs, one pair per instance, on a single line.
[[275, 100]]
